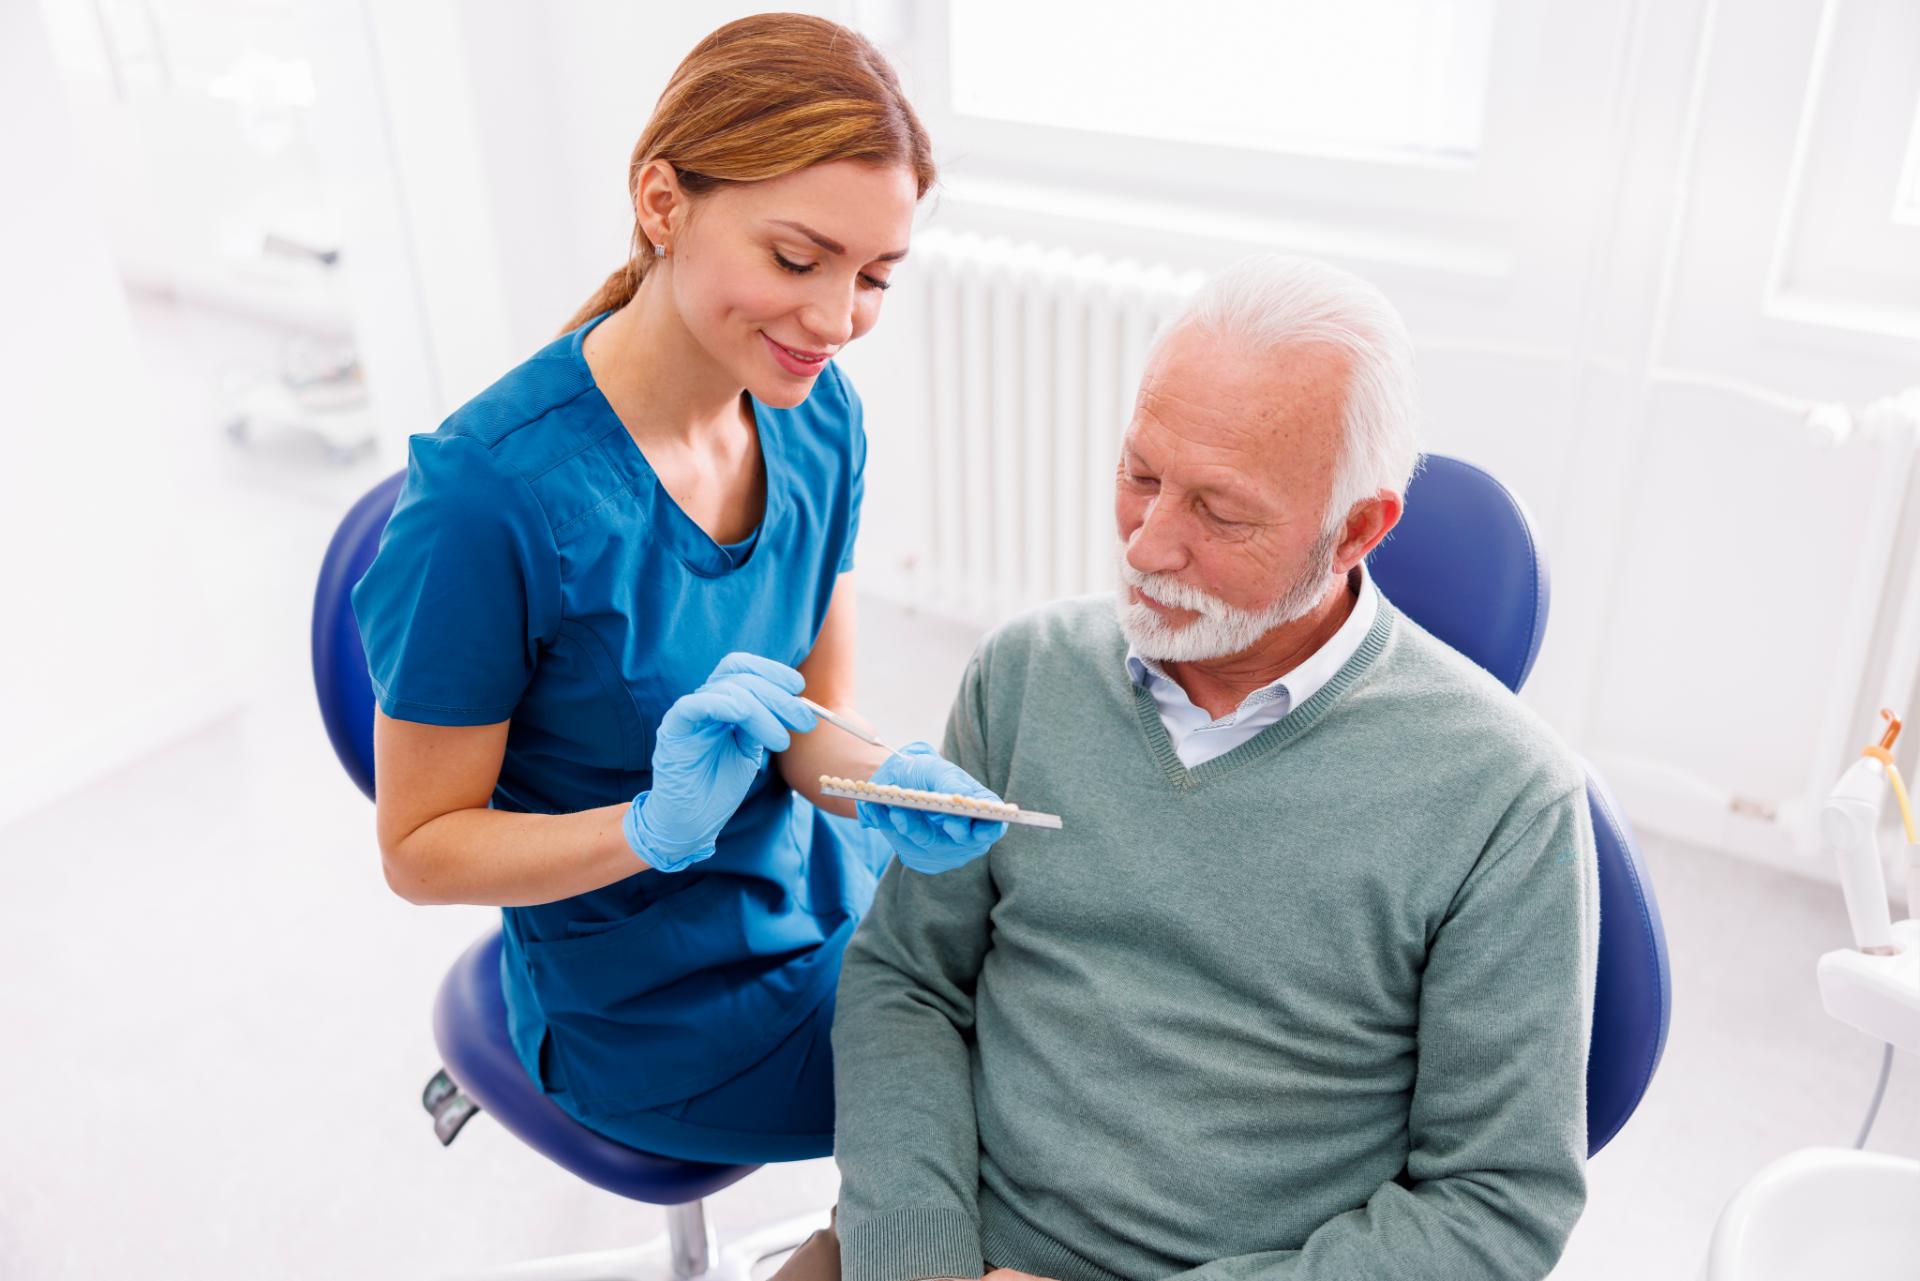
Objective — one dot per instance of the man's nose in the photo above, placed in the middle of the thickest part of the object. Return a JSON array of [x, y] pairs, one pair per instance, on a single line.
[[1155, 547]]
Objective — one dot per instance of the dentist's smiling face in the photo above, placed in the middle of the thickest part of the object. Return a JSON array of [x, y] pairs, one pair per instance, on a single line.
[[772, 278]]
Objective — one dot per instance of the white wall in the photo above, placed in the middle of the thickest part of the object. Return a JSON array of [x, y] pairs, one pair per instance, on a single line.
[[508, 128], [106, 650]]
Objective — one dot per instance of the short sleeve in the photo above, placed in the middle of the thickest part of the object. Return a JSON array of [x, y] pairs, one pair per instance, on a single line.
[[463, 590], [857, 430]]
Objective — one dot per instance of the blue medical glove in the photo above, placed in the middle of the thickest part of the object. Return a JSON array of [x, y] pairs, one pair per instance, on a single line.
[[709, 749], [923, 841]]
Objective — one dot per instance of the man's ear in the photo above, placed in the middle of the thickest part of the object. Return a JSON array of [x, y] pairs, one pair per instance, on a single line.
[[1368, 521]]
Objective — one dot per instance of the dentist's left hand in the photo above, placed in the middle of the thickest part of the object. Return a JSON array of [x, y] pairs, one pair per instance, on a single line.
[[710, 747], [928, 842]]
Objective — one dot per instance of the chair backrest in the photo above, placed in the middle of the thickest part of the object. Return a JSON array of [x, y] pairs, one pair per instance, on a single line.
[[339, 664], [1633, 992], [1464, 563]]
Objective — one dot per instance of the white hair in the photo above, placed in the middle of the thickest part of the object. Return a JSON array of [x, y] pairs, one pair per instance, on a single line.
[[1271, 301]]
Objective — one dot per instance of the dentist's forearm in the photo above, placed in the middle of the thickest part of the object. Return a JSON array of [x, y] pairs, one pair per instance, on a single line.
[[498, 858], [441, 843], [828, 749]]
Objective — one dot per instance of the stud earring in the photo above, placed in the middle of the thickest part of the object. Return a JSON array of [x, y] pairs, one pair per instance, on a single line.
[[659, 251]]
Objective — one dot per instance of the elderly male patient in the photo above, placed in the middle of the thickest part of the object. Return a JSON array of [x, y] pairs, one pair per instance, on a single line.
[[1302, 989]]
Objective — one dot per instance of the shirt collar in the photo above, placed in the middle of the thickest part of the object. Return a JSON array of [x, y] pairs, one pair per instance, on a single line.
[[1307, 676]]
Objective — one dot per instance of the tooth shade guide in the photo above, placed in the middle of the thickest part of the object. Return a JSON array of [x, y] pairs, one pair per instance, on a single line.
[[854, 789]]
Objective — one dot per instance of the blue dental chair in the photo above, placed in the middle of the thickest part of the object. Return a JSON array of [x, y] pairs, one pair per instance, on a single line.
[[1463, 562]]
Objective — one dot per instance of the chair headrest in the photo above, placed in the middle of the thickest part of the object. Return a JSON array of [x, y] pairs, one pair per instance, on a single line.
[[1464, 563]]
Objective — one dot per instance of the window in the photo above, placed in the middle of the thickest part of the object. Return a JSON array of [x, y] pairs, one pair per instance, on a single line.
[[1365, 77], [1906, 196], [1846, 251], [204, 112]]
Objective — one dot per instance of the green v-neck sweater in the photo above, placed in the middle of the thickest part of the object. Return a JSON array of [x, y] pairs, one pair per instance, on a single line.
[[1316, 1008]]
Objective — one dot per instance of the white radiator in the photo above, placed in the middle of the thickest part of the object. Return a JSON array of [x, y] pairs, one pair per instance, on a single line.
[[1027, 367]]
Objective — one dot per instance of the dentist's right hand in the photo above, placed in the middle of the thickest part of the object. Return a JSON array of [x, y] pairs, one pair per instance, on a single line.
[[710, 747]]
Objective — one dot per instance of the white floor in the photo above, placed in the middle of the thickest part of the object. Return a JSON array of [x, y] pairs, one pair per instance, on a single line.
[[216, 1015]]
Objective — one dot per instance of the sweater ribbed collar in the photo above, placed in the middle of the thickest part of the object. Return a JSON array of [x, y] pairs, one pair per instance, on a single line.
[[1275, 736]]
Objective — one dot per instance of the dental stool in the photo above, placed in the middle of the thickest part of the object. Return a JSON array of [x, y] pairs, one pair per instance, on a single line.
[[482, 1072], [1464, 563]]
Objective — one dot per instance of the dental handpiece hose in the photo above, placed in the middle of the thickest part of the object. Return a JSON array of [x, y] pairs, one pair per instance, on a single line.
[[1913, 880], [1913, 848], [1913, 836], [1883, 752]]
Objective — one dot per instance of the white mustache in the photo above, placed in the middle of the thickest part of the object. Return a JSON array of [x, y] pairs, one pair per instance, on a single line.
[[1169, 590]]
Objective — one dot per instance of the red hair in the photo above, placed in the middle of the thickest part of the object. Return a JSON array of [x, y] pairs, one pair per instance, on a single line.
[[765, 96]]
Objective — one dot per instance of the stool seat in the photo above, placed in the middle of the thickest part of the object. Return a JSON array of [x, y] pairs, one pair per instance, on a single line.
[[470, 1028]]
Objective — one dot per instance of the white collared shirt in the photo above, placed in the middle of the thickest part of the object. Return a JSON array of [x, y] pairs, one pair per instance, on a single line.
[[1198, 738]]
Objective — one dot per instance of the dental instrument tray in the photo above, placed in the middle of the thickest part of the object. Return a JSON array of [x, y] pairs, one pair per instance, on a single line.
[[854, 789]]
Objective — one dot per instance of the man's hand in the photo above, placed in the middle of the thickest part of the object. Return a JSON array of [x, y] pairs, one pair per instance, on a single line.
[[1009, 1274]]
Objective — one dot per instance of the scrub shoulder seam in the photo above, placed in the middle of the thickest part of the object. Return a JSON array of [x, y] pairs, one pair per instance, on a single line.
[[536, 419], [625, 487], [584, 446]]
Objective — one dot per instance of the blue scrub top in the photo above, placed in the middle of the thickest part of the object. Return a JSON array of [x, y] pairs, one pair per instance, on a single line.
[[536, 570]]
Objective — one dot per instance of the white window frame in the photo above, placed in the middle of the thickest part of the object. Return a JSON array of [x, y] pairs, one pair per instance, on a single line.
[[1451, 214], [1848, 241]]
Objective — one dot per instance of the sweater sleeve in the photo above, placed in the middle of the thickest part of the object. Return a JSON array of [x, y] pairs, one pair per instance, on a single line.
[[905, 1138], [1496, 1166]]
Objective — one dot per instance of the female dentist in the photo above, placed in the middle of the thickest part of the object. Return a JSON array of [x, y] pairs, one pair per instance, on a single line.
[[606, 581]]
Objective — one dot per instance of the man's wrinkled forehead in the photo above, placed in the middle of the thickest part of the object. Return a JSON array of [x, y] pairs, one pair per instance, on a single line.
[[1208, 404]]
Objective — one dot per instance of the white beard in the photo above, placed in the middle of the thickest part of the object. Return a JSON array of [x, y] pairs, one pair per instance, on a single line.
[[1221, 629]]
